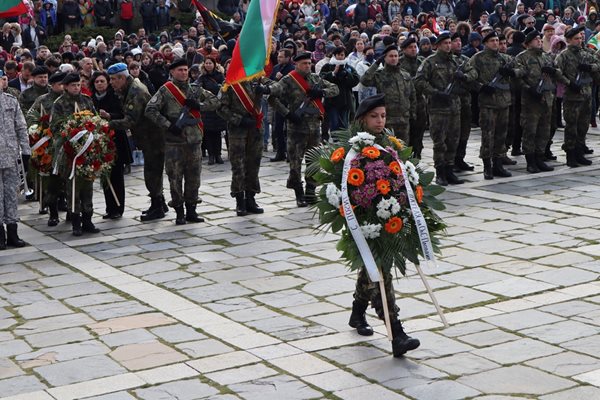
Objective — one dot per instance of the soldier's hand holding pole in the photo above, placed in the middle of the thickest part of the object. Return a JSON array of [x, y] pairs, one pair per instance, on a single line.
[[550, 71]]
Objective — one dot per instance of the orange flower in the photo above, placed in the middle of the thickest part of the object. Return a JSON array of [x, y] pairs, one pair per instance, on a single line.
[[371, 152], [419, 193], [396, 142], [395, 167], [46, 159], [39, 151], [383, 185], [356, 177], [338, 154], [342, 213], [393, 225]]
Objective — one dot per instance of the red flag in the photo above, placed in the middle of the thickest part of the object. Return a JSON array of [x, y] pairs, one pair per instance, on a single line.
[[12, 8]]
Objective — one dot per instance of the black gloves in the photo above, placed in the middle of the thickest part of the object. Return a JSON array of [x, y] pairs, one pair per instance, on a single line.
[[262, 89], [459, 75], [380, 59], [487, 89], [175, 130], [247, 122], [315, 93], [294, 118], [506, 71], [574, 87], [192, 104], [549, 70], [585, 67], [442, 96]]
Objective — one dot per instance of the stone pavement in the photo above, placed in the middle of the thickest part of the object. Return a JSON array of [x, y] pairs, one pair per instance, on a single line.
[[257, 307]]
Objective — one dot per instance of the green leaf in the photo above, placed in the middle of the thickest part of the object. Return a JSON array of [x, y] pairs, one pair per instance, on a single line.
[[425, 178], [326, 164], [433, 190]]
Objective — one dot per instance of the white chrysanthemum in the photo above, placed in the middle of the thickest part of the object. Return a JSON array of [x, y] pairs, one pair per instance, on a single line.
[[362, 138], [411, 171], [387, 207], [371, 231], [334, 195], [33, 129]]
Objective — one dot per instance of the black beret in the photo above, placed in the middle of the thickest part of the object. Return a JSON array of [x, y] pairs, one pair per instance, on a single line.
[[40, 70], [180, 62], [407, 42], [442, 37], [456, 35], [492, 34], [70, 78], [531, 35], [57, 77], [390, 48], [302, 56], [370, 103], [574, 31]]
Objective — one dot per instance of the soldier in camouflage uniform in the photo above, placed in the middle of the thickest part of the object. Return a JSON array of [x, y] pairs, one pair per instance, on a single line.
[[53, 184], [535, 70], [489, 72], [576, 66], [15, 144], [399, 91], [435, 78], [71, 101], [183, 137], [410, 62], [135, 96], [304, 116], [465, 110], [245, 128], [39, 88]]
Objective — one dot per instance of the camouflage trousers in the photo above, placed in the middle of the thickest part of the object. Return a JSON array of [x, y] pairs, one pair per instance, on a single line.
[[401, 128], [367, 291], [9, 184], [183, 162], [84, 194], [445, 134], [300, 139], [577, 116], [536, 126], [494, 127], [154, 162], [465, 127], [417, 128], [245, 153]]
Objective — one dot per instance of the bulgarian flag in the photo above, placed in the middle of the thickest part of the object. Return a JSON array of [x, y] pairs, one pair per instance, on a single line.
[[252, 50], [12, 8]]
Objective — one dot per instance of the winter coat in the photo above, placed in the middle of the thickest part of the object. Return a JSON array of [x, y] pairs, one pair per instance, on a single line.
[[212, 82]]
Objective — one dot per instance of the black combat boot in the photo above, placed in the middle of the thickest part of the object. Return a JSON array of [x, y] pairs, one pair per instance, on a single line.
[[191, 215], [451, 178], [155, 211], [251, 205], [401, 342], [532, 166], [358, 319], [440, 176], [86, 223], [180, 215], [12, 238], [211, 160], [300, 201], [76, 224], [2, 238], [240, 205], [461, 165], [219, 159], [548, 153], [506, 160], [587, 150], [516, 151], [487, 169], [498, 169], [165, 207], [571, 159], [53, 217], [579, 157], [310, 196], [541, 164], [62, 203]]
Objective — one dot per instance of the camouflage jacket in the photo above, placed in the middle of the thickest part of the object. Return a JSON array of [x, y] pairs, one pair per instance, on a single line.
[[28, 97], [135, 97], [411, 65], [482, 69], [231, 108], [397, 85], [45, 103], [288, 88], [163, 110], [568, 62], [528, 68], [13, 131], [434, 76]]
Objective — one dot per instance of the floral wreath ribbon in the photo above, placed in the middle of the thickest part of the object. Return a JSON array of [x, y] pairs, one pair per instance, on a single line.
[[86, 145], [354, 227]]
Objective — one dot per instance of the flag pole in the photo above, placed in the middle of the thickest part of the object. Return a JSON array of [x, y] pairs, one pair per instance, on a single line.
[[386, 310], [433, 298]]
